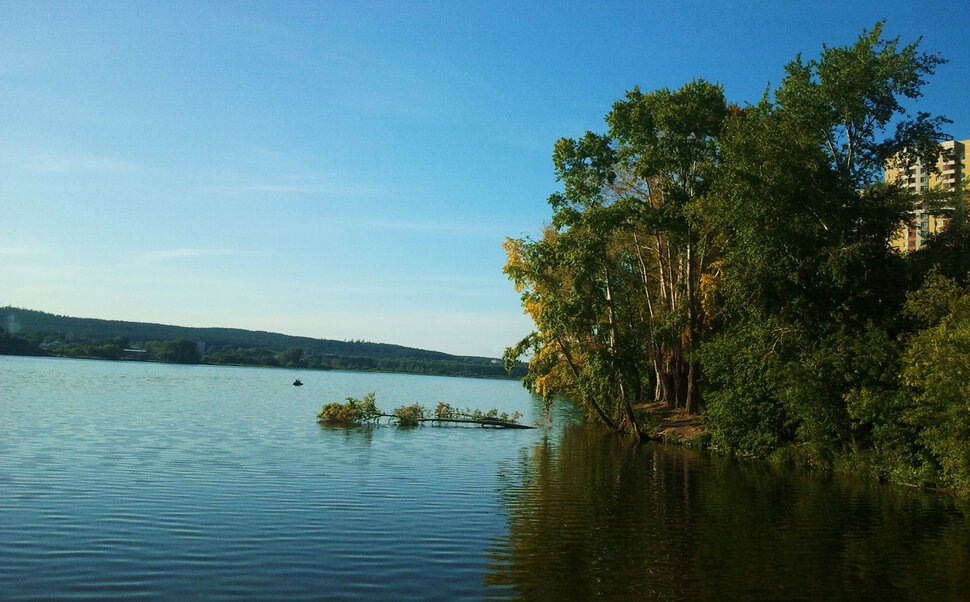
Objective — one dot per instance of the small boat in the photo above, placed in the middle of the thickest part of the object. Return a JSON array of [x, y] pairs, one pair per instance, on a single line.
[[298, 383]]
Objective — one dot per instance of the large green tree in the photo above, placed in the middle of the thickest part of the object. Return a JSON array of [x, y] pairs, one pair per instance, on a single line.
[[810, 289], [741, 256], [614, 284]]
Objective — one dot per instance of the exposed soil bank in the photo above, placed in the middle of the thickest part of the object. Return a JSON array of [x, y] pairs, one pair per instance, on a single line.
[[673, 425]]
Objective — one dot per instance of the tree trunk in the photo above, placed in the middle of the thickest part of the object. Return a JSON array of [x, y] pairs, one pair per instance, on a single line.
[[691, 404], [690, 401], [596, 406], [617, 358]]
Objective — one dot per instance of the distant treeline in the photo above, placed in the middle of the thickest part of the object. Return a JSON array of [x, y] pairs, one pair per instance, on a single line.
[[30, 332]]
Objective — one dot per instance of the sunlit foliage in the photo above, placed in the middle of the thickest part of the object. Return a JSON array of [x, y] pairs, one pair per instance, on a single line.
[[737, 261], [355, 412]]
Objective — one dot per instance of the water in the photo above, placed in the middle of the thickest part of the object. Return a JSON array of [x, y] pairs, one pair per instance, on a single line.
[[665, 523], [132, 480]]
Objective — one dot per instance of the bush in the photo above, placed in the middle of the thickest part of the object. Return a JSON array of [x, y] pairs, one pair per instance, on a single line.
[[409, 415], [355, 411], [936, 373], [365, 410]]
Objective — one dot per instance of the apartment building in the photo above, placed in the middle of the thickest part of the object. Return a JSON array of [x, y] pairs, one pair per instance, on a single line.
[[953, 170]]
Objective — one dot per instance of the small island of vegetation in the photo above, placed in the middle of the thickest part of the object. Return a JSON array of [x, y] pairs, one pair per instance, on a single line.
[[362, 411]]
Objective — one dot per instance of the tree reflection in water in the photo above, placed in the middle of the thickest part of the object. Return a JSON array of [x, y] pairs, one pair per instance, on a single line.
[[592, 515]]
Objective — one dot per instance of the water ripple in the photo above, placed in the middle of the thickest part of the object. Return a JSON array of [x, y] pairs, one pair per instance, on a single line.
[[146, 481], [172, 482]]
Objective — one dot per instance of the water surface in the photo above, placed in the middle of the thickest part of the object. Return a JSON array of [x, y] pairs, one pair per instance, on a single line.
[[133, 480]]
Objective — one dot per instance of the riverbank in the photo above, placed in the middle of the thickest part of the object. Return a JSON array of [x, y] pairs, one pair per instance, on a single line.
[[673, 425]]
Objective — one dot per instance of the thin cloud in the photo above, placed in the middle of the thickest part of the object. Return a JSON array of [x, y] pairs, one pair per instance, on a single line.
[[17, 250], [287, 186], [382, 286], [443, 227], [191, 253], [321, 190], [76, 163]]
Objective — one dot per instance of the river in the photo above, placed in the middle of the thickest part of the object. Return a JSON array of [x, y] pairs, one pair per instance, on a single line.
[[135, 480]]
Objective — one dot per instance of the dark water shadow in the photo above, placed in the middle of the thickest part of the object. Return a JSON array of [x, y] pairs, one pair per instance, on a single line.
[[595, 516]]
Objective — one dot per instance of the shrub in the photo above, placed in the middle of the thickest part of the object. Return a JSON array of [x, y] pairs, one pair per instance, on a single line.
[[409, 415], [355, 411], [365, 410]]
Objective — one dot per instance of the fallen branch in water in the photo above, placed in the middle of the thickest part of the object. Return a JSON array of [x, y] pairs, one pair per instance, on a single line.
[[485, 422], [365, 411]]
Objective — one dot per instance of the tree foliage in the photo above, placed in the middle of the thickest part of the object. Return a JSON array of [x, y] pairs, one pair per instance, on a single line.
[[936, 374], [356, 412], [614, 283], [353, 412], [41, 333], [182, 351], [737, 261]]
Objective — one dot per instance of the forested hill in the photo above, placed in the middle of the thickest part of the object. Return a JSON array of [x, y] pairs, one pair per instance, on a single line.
[[65, 335], [26, 321]]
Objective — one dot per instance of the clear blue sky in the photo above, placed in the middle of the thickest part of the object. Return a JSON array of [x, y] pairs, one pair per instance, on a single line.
[[348, 170]]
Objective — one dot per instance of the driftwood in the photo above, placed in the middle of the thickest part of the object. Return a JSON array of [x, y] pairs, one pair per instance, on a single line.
[[485, 422]]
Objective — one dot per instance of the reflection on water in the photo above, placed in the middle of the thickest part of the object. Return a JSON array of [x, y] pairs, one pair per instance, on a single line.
[[356, 435], [594, 516], [198, 482]]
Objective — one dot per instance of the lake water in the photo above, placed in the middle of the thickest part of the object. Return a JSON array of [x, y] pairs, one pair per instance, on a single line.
[[133, 480]]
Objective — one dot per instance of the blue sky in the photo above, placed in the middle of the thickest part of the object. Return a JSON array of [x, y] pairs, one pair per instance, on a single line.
[[348, 170]]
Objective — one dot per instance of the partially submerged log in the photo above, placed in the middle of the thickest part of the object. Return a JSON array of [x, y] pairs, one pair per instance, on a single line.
[[485, 422]]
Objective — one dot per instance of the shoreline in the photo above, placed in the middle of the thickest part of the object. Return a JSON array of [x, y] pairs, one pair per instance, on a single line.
[[203, 363], [675, 426]]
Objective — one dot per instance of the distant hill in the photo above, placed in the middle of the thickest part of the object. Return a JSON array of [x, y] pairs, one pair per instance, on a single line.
[[223, 343]]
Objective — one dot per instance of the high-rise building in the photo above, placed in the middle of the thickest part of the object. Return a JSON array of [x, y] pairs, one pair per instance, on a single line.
[[953, 169]]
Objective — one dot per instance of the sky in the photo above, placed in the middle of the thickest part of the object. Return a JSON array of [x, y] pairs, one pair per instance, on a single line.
[[349, 169]]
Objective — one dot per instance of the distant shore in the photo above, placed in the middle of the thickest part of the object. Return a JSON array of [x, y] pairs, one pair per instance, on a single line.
[[241, 365]]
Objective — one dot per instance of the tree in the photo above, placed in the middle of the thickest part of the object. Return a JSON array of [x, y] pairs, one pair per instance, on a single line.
[[807, 263], [292, 358], [12, 344], [668, 151], [614, 283], [846, 99], [182, 351], [936, 373], [739, 256], [947, 252]]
